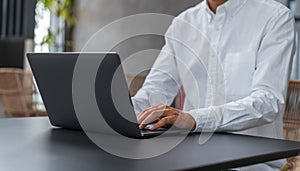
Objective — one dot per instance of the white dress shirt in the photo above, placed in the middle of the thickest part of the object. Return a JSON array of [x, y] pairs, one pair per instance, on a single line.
[[251, 42]]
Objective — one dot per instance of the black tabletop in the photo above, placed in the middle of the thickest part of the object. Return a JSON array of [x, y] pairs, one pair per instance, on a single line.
[[33, 145]]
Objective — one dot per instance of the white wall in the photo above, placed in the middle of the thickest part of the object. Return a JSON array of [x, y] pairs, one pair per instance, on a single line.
[[95, 14]]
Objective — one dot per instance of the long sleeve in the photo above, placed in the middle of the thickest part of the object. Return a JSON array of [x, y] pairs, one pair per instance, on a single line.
[[269, 83], [162, 84]]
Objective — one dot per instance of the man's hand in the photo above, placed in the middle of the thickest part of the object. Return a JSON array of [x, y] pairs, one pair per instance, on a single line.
[[166, 116]]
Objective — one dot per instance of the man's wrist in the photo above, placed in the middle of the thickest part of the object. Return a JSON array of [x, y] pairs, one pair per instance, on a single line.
[[201, 117]]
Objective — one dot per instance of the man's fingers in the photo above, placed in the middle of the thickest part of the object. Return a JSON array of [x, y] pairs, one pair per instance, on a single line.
[[154, 116], [169, 120], [166, 116], [143, 114], [148, 111]]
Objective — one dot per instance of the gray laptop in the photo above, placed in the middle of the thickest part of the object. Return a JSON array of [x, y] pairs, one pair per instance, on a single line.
[[53, 73]]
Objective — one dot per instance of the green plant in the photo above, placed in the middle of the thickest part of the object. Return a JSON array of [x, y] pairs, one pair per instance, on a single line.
[[64, 9]]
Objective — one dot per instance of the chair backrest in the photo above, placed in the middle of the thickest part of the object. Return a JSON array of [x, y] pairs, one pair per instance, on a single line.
[[16, 90], [136, 82], [291, 117]]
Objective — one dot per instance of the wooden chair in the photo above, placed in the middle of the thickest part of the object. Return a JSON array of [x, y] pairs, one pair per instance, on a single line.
[[291, 121], [16, 91], [136, 82]]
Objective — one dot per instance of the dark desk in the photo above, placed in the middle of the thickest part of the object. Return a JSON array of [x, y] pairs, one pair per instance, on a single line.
[[33, 145]]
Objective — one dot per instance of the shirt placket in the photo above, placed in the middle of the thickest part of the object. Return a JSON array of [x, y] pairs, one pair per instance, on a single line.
[[213, 60], [218, 22]]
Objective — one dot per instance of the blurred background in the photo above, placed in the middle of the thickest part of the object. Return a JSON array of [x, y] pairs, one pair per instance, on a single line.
[[66, 26]]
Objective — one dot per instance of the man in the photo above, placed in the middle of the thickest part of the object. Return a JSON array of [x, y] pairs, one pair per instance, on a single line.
[[253, 42]]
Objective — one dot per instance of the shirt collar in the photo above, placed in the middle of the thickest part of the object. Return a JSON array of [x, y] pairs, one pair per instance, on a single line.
[[231, 7]]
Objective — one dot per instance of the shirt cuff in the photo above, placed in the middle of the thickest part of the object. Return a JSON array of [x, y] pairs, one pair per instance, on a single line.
[[207, 120]]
